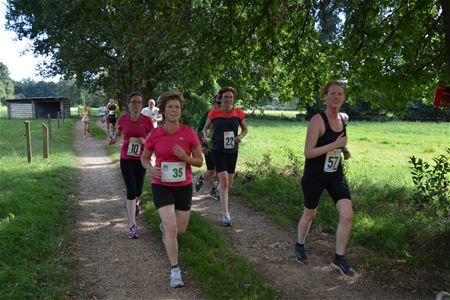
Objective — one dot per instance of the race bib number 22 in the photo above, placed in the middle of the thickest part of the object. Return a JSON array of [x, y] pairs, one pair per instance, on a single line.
[[228, 140]]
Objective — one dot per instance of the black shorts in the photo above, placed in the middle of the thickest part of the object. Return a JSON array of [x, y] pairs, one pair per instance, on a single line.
[[112, 119], [180, 196], [133, 174], [314, 184], [209, 159], [225, 161]]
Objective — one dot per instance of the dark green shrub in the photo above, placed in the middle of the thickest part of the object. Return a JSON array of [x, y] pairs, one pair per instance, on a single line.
[[432, 185]]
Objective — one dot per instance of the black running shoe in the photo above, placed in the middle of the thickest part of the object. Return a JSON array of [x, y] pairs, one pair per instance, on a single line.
[[342, 265], [198, 184], [300, 254]]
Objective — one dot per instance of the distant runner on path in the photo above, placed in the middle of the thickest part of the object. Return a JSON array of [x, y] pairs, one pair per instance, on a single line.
[[112, 110], [225, 143], [207, 152], [176, 148], [135, 128], [326, 139], [85, 113]]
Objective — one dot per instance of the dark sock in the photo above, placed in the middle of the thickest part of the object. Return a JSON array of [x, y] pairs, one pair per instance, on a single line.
[[174, 266], [338, 256], [300, 245]]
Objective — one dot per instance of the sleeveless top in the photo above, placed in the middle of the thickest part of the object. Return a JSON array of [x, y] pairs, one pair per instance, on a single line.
[[316, 165]]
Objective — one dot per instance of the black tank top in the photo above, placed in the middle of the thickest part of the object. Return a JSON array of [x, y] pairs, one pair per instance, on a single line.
[[315, 165]]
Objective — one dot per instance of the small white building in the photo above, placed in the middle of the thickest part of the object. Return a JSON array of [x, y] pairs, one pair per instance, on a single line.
[[38, 108]]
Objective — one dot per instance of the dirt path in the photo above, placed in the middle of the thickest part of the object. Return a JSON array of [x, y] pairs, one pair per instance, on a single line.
[[110, 265], [269, 248]]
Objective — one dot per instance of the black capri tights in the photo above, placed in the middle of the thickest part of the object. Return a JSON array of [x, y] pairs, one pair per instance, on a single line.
[[133, 174]]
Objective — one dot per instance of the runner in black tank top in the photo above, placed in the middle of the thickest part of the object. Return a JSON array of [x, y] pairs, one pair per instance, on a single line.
[[316, 165], [325, 142]]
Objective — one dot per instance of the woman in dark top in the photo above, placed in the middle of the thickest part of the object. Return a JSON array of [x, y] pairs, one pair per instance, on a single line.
[[326, 139], [225, 122]]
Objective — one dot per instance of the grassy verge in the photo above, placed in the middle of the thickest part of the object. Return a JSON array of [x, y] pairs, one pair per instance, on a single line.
[[37, 211], [380, 183], [219, 271]]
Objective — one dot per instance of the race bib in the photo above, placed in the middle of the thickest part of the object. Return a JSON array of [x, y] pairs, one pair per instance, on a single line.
[[228, 140], [134, 148], [332, 161], [111, 112], [173, 171]]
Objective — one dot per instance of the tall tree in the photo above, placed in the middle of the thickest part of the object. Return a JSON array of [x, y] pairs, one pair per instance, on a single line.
[[6, 83]]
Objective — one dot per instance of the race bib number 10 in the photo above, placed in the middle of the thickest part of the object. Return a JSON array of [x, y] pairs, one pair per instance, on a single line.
[[134, 148], [173, 171], [228, 140], [332, 161]]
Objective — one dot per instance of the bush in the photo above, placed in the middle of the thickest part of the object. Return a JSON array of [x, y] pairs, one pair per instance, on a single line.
[[432, 186], [417, 110], [194, 107]]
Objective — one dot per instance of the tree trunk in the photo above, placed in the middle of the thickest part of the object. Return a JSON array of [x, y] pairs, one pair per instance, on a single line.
[[445, 4]]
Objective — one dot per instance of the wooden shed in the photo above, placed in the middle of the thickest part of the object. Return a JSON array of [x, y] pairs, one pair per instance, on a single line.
[[38, 107]]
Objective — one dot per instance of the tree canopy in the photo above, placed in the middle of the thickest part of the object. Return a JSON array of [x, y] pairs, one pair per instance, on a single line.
[[386, 51]]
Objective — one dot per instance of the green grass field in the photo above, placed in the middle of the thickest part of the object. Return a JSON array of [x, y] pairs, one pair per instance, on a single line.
[[37, 205]]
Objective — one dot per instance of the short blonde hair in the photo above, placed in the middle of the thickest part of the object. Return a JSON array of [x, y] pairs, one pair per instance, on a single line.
[[169, 95]]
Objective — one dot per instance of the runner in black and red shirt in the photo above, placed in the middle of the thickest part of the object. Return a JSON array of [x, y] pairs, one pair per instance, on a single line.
[[225, 142]]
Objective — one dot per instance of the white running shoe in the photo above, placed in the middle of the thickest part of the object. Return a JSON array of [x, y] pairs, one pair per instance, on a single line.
[[175, 278]]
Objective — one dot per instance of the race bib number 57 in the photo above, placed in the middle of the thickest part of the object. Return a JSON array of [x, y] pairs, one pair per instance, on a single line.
[[332, 161], [173, 171]]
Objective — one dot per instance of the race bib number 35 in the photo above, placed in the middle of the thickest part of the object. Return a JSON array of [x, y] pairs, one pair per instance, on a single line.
[[228, 140], [134, 148], [332, 161], [173, 171]]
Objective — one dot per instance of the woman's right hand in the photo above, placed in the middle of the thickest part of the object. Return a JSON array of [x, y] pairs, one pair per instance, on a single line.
[[155, 172], [341, 141]]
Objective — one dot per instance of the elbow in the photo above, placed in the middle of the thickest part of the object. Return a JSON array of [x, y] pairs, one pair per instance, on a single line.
[[308, 154]]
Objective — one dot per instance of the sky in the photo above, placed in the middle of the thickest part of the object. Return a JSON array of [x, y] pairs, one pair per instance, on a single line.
[[20, 65]]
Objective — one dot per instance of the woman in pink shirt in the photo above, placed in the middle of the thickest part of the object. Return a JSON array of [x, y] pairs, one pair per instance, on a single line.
[[177, 148], [135, 128]]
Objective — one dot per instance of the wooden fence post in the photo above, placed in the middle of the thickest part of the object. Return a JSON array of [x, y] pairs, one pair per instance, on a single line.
[[45, 143], [49, 126], [59, 117], [28, 140]]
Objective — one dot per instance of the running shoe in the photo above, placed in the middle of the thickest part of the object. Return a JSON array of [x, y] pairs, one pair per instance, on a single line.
[[300, 254], [226, 220], [175, 277], [133, 233], [214, 194], [198, 183], [161, 227], [342, 265]]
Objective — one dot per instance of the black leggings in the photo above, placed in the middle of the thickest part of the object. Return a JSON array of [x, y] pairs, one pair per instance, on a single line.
[[133, 174]]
